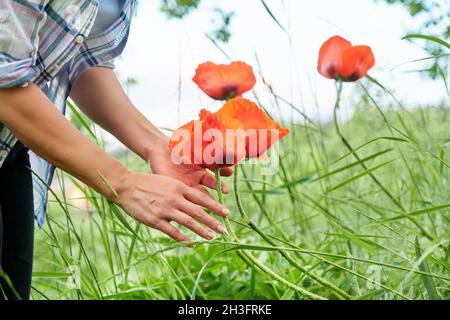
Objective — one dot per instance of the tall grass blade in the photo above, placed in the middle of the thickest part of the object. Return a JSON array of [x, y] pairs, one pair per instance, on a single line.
[[427, 281]]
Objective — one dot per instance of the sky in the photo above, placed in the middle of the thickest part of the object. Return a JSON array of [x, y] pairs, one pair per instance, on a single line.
[[162, 51]]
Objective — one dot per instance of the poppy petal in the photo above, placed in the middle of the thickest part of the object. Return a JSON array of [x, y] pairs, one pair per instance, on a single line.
[[181, 143], [209, 79], [330, 55], [355, 63], [222, 81], [241, 73], [222, 133], [258, 125]]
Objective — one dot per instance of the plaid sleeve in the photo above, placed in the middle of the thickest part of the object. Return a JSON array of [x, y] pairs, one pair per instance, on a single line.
[[107, 64], [20, 21], [102, 50]]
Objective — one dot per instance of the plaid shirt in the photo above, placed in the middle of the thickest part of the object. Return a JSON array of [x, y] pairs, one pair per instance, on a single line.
[[48, 42]]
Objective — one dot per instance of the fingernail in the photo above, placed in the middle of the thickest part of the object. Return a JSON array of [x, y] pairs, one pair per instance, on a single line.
[[210, 235], [225, 211], [221, 229]]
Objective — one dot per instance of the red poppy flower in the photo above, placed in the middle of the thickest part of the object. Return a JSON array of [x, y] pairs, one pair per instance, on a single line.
[[239, 130], [205, 142], [223, 82], [339, 60]]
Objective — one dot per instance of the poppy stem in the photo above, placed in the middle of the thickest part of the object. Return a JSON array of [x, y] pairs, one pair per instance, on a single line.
[[338, 292], [396, 202], [250, 259], [228, 227], [221, 201]]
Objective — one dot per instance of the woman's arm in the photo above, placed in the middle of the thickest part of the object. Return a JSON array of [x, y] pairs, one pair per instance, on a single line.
[[99, 95], [152, 199]]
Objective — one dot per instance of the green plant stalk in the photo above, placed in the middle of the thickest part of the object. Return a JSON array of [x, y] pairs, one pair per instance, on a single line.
[[357, 157], [318, 255], [391, 128], [288, 186], [226, 220], [4, 277], [261, 205], [58, 245], [249, 257], [339, 292]]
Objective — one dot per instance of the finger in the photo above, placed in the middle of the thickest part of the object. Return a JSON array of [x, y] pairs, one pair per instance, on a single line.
[[209, 181], [190, 223], [205, 192], [227, 172], [199, 214], [197, 197], [173, 232]]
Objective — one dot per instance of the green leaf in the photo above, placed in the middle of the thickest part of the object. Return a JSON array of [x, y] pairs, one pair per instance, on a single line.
[[417, 213], [358, 176], [429, 38], [267, 192], [427, 280], [178, 8], [123, 220], [51, 274], [311, 179], [81, 119], [370, 142], [272, 15]]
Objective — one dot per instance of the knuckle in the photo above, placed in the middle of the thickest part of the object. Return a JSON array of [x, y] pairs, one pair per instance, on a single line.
[[189, 192], [161, 213], [211, 222], [205, 234], [175, 216], [190, 223], [170, 200], [205, 217], [181, 202], [157, 224], [148, 220], [180, 186], [178, 236], [198, 213], [215, 206], [174, 236], [170, 203]]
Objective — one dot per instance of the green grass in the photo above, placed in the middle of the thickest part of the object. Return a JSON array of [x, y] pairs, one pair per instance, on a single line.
[[322, 209]]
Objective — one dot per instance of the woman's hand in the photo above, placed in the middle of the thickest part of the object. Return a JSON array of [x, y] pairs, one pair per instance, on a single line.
[[157, 201]]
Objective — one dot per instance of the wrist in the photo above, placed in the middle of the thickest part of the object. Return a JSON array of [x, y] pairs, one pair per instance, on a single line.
[[116, 184], [155, 146]]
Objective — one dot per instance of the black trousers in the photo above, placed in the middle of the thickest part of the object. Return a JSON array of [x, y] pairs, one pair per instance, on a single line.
[[16, 225]]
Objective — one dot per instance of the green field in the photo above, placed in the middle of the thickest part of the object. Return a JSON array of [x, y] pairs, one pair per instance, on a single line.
[[373, 228]]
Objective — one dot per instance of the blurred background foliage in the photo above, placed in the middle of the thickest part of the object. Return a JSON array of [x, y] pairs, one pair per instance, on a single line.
[[178, 8], [431, 17], [221, 19]]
